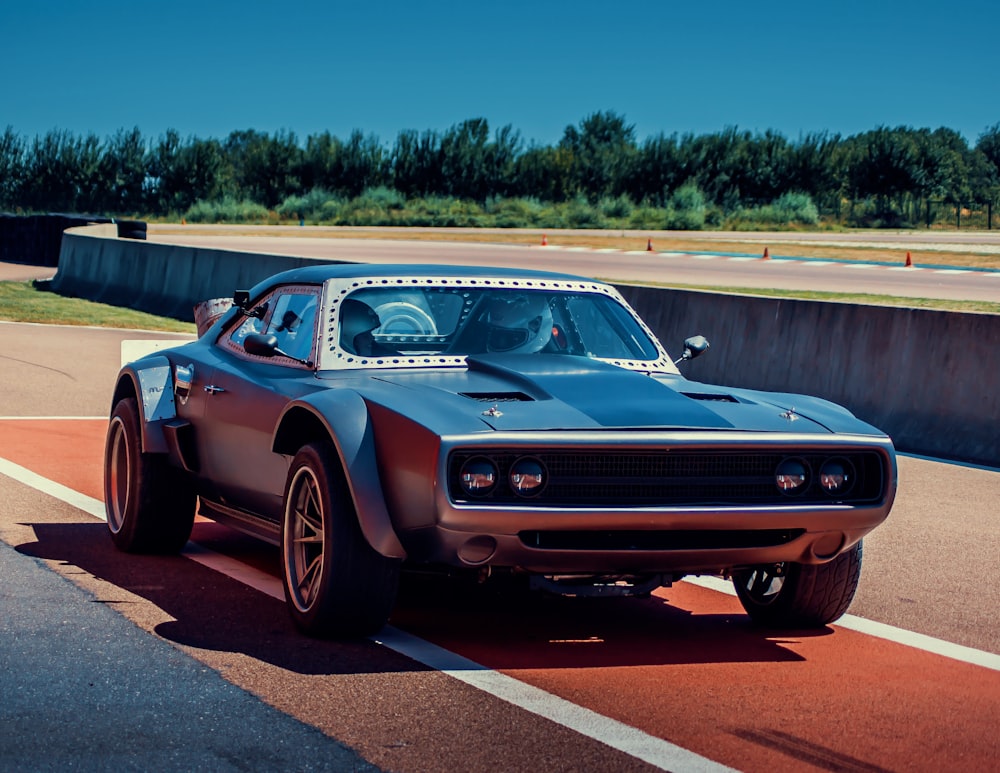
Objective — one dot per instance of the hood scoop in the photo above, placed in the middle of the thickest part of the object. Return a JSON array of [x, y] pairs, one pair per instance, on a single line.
[[710, 398], [498, 397], [610, 396]]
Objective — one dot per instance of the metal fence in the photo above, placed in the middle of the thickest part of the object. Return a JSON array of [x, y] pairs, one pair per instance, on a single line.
[[973, 216]]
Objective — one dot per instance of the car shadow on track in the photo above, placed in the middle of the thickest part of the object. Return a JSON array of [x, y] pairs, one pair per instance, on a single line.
[[508, 629]]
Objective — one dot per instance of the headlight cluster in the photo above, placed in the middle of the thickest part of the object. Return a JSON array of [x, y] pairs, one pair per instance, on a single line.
[[479, 476], [794, 476]]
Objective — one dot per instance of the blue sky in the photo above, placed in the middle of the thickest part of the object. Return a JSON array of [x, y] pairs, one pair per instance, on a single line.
[[208, 68]]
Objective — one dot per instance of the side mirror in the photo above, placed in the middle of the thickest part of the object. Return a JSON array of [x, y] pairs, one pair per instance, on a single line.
[[694, 346], [261, 345], [241, 299]]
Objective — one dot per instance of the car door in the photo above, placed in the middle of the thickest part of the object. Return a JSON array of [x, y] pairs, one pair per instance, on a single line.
[[245, 395]]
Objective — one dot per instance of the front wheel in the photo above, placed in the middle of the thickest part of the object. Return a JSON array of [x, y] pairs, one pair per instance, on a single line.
[[336, 584], [793, 595], [149, 504]]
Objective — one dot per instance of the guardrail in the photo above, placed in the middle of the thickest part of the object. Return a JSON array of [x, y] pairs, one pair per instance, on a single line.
[[930, 379]]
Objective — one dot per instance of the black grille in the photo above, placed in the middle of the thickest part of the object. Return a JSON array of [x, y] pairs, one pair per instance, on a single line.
[[670, 478]]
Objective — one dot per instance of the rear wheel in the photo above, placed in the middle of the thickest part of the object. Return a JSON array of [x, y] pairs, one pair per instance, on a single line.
[[793, 595], [336, 584], [149, 504]]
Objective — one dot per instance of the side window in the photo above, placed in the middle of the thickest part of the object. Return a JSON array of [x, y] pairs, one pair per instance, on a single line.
[[289, 314], [293, 323]]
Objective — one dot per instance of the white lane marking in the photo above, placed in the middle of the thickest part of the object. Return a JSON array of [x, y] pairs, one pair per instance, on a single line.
[[741, 259], [267, 584], [860, 266], [610, 732], [905, 268], [706, 257], [917, 641], [589, 723], [949, 271], [53, 418], [89, 505], [819, 263]]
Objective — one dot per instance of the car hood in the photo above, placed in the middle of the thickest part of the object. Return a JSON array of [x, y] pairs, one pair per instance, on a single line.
[[553, 392]]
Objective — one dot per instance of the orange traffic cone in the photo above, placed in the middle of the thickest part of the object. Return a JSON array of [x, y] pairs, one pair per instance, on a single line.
[[766, 255], [909, 260], [649, 245], [545, 241]]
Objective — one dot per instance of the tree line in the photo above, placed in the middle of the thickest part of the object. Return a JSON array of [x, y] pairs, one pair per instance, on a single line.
[[889, 174]]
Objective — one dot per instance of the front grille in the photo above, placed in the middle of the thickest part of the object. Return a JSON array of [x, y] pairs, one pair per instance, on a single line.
[[670, 478]]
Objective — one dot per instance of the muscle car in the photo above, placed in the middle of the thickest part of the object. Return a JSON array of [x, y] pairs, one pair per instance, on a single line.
[[369, 419]]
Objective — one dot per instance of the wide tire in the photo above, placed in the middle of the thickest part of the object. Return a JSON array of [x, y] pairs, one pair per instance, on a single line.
[[800, 595], [336, 584], [149, 504]]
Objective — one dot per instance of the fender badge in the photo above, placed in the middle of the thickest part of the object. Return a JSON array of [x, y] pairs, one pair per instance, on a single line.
[[789, 414], [493, 412]]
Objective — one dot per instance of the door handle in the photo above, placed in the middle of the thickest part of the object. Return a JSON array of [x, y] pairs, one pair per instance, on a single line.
[[213, 389]]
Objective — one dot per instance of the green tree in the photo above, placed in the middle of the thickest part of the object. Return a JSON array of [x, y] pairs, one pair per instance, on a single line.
[[181, 173], [416, 163], [602, 152], [12, 161], [123, 169], [263, 167]]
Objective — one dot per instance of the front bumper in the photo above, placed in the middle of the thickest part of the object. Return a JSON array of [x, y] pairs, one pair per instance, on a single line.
[[677, 538]]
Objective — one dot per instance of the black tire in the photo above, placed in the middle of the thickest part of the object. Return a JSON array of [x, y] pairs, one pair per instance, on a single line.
[[800, 595], [149, 504], [336, 584]]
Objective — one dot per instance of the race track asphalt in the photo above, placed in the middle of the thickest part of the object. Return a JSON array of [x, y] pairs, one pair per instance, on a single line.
[[167, 663]]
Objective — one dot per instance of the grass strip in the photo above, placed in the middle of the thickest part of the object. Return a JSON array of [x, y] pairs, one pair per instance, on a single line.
[[29, 302], [939, 304]]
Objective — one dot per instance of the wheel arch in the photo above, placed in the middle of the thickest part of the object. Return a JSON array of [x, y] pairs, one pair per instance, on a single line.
[[153, 438], [343, 420]]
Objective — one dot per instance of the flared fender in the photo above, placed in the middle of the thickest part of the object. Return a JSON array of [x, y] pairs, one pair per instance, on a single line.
[[344, 415]]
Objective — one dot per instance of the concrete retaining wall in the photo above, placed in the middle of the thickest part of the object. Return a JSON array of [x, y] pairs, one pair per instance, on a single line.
[[163, 279], [930, 379]]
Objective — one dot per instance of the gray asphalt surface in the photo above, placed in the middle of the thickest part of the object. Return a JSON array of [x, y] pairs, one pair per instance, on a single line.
[[84, 689], [785, 273]]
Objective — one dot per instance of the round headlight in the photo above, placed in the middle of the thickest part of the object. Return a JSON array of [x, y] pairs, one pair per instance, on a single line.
[[478, 476], [791, 476], [527, 477], [836, 476]]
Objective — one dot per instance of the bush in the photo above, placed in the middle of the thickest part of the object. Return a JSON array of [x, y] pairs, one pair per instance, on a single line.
[[514, 213], [227, 210], [686, 209], [620, 207], [789, 209], [316, 206]]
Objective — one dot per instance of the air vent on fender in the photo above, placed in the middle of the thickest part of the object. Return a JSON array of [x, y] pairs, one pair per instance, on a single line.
[[498, 397]]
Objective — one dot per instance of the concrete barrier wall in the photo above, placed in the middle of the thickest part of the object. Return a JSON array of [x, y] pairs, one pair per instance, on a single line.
[[163, 279], [930, 379]]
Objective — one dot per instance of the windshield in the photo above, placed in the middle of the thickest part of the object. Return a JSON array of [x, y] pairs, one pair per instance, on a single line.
[[457, 321]]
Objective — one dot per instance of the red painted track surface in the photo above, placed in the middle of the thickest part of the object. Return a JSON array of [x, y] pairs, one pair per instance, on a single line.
[[685, 665]]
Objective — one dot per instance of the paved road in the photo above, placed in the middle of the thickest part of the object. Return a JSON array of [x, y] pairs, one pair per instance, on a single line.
[[706, 270], [684, 666]]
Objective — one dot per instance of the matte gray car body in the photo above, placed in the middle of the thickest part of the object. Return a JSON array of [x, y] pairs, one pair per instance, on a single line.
[[576, 453]]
